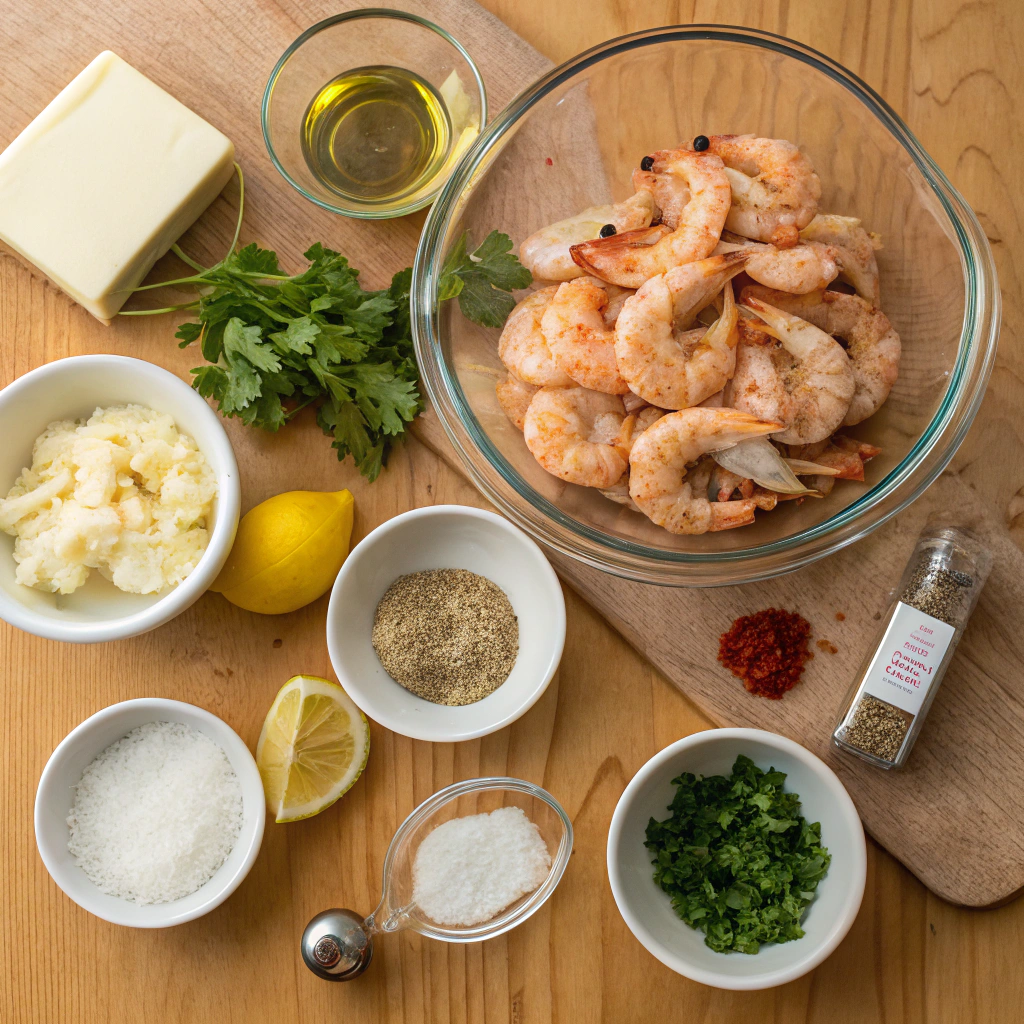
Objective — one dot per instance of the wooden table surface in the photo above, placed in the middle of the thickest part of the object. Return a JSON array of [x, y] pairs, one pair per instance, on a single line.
[[953, 70]]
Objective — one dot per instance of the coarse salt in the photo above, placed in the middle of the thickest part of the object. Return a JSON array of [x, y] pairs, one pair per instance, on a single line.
[[156, 814], [470, 869]]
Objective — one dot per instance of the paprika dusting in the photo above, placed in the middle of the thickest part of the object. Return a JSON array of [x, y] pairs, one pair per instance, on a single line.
[[767, 650]]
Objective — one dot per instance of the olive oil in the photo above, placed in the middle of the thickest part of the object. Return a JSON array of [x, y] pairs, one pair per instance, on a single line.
[[376, 134]]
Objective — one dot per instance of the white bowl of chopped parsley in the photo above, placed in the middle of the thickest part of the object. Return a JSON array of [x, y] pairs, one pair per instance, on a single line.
[[737, 858]]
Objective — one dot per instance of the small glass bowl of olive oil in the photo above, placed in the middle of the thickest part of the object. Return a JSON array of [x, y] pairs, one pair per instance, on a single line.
[[368, 112]]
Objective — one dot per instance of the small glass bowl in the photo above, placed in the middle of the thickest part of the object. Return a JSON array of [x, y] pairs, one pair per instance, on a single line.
[[359, 39], [397, 910], [571, 141]]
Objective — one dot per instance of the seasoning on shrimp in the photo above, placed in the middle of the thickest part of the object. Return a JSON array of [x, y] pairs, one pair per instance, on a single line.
[[661, 480], [767, 650], [575, 435], [546, 252], [855, 249], [514, 397], [779, 198], [522, 346], [631, 257], [673, 368], [806, 384], [803, 268], [872, 345], [579, 338]]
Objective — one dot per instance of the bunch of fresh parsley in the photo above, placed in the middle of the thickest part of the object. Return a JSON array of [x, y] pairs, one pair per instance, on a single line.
[[737, 857], [277, 343]]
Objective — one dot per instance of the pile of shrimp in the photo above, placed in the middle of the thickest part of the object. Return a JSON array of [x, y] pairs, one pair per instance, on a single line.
[[714, 306]]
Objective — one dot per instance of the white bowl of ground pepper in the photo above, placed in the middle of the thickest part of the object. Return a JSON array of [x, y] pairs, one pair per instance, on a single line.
[[461, 607]]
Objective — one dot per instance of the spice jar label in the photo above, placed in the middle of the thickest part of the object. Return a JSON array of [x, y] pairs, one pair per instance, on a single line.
[[908, 658]]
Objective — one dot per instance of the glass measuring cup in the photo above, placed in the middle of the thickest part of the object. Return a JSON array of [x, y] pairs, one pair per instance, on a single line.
[[338, 944]]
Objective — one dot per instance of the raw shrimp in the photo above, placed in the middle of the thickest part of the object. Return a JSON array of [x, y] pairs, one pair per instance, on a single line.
[[522, 346], [630, 258], [578, 337], [573, 434], [658, 469], [856, 252], [806, 383], [672, 369], [873, 346], [775, 190], [514, 397], [803, 268], [546, 252]]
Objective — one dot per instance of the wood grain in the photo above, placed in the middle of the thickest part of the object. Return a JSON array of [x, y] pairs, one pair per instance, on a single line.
[[948, 66]]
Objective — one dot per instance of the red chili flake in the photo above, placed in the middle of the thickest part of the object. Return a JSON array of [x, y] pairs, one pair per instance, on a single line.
[[549, 162], [840, 617], [767, 650]]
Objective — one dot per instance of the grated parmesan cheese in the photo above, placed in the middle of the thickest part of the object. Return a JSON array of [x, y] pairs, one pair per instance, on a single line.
[[156, 814], [470, 869]]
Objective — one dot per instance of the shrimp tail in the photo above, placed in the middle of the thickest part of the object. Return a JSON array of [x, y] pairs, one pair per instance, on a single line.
[[728, 515], [603, 254]]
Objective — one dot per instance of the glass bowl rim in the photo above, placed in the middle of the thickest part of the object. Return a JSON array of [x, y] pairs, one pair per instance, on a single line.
[[505, 921], [361, 13], [964, 392]]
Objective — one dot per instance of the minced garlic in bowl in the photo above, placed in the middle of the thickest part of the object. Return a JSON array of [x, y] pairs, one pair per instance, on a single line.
[[123, 493]]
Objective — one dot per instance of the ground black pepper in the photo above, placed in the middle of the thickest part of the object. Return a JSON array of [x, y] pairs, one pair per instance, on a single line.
[[893, 692], [447, 635]]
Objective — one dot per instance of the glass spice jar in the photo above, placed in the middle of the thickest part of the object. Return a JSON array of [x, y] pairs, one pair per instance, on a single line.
[[890, 697]]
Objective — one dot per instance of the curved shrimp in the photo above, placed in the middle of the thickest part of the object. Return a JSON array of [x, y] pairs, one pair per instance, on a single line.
[[806, 267], [574, 433], [579, 338], [522, 346], [872, 344], [632, 257], [659, 465], [856, 252], [546, 252], [775, 190], [671, 369], [514, 397], [806, 383], [670, 192]]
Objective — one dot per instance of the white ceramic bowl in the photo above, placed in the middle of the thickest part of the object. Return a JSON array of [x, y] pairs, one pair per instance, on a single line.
[[445, 537], [647, 910], [56, 793], [73, 388]]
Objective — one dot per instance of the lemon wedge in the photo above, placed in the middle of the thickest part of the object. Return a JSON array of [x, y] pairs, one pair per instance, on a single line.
[[287, 551], [313, 747]]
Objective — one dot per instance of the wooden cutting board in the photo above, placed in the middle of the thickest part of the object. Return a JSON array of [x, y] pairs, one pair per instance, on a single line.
[[955, 815], [954, 818]]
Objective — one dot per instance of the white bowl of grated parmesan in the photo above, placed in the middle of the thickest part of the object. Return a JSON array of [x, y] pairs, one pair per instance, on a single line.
[[150, 813], [183, 539]]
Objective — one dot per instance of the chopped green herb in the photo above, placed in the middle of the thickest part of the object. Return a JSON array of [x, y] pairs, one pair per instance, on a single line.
[[278, 343], [737, 858]]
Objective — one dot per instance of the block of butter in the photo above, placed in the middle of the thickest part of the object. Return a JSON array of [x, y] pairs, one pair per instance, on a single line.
[[101, 184]]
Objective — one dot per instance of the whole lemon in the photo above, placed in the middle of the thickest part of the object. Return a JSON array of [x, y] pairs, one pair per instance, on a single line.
[[288, 551]]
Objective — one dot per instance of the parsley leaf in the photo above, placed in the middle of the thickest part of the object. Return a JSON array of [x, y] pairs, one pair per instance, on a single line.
[[737, 858], [277, 343], [483, 279]]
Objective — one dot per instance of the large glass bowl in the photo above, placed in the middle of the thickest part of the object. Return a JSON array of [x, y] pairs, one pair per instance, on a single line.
[[571, 141]]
